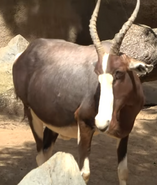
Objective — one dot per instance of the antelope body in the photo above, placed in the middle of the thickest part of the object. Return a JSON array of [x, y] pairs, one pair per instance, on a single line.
[[57, 84]]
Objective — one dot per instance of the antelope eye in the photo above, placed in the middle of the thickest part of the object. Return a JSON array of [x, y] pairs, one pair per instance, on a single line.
[[119, 75]]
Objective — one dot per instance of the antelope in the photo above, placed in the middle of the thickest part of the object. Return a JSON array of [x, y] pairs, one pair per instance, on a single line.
[[78, 91]]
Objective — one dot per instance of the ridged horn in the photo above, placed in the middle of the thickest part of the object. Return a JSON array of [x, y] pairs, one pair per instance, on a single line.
[[115, 49], [93, 31]]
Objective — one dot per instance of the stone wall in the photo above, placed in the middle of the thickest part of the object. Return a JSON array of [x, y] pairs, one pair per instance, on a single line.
[[68, 19]]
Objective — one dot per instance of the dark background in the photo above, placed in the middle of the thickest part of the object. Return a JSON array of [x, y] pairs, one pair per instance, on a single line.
[[68, 19]]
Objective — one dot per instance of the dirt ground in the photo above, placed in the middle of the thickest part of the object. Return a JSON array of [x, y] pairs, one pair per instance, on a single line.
[[17, 152]]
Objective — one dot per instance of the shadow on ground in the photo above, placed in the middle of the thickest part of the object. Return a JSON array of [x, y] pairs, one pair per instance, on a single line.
[[15, 162]]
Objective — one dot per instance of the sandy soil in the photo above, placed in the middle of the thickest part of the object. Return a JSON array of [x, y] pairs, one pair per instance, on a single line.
[[17, 152]]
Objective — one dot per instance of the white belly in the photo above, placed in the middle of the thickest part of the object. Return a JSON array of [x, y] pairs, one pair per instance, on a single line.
[[64, 132]]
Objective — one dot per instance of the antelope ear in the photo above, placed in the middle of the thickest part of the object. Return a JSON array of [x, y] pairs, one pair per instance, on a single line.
[[141, 68]]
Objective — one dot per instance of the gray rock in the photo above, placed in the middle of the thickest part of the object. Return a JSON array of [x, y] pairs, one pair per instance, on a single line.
[[60, 169], [140, 43], [8, 103], [16, 45]]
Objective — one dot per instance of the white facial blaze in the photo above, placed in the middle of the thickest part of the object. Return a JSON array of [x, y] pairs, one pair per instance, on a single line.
[[104, 63], [105, 108]]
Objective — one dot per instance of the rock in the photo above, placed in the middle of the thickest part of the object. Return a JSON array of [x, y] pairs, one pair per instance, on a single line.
[[8, 103], [7, 56], [150, 91], [60, 169], [16, 45]]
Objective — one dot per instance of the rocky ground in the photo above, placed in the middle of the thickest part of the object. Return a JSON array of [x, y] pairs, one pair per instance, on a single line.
[[17, 152]]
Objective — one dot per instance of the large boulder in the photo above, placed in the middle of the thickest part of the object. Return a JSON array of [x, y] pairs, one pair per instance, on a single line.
[[16, 45], [140, 42], [7, 56], [60, 169]]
